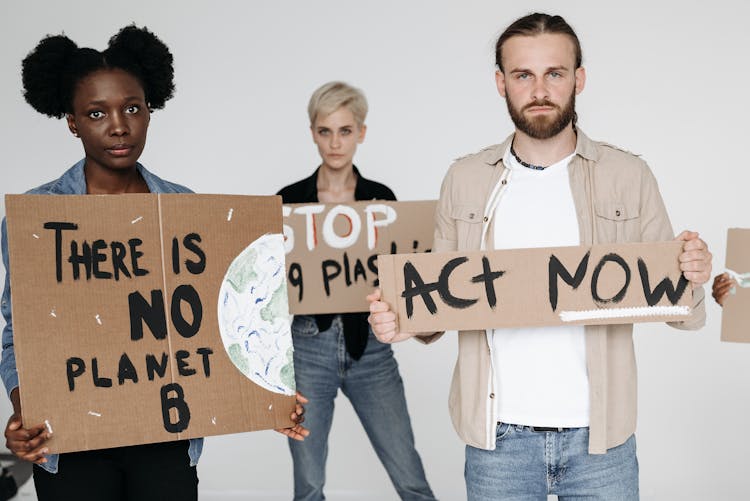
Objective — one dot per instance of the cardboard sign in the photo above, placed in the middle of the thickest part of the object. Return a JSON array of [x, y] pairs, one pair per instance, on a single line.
[[332, 249], [148, 318], [735, 316], [605, 284]]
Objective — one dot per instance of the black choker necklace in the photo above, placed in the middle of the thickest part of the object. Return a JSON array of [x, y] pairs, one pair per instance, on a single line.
[[527, 165]]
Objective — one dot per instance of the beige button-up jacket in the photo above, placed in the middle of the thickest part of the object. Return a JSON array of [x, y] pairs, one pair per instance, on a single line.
[[617, 200]]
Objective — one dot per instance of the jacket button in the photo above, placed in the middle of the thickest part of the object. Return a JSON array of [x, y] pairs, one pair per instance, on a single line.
[[486, 219], [492, 395], [617, 213], [504, 181], [471, 216]]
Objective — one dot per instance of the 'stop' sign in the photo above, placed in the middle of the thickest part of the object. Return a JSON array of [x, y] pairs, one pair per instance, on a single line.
[[332, 249]]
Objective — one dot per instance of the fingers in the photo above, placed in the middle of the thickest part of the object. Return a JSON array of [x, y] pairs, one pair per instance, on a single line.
[[695, 255], [384, 326], [15, 431], [297, 432], [722, 287], [383, 321], [298, 416], [14, 423], [695, 259], [379, 307], [36, 456], [374, 296], [687, 235], [27, 443], [381, 317], [697, 278]]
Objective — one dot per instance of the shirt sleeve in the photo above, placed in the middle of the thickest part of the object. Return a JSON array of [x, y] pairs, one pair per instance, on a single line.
[[8, 370]]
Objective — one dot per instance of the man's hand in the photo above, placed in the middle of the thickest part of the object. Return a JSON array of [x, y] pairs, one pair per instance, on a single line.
[[383, 321], [297, 432], [695, 260], [25, 443], [722, 287]]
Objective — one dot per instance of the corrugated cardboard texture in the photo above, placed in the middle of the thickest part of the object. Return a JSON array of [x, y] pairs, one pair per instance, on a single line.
[[523, 292], [332, 264], [54, 322], [735, 317]]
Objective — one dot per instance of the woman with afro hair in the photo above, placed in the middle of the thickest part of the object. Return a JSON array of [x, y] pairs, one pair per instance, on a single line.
[[106, 98]]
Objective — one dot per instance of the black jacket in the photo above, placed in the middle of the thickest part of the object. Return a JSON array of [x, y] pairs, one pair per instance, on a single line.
[[306, 190]]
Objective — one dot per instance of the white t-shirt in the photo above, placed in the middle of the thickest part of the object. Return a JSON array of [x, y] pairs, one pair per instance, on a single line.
[[541, 375]]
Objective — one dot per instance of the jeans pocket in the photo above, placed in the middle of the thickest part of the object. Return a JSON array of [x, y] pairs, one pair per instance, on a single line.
[[305, 326], [503, 429]]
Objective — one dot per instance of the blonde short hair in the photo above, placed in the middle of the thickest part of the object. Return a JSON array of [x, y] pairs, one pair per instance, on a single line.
[[332, 96]]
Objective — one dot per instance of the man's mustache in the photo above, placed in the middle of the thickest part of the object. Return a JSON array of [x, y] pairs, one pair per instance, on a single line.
[[543, 102]]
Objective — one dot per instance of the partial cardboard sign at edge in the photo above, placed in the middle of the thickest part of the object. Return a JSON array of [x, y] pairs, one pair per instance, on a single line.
[[735, 315]]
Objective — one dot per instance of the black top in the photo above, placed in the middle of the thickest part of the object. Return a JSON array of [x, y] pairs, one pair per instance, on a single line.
[[306, 191]]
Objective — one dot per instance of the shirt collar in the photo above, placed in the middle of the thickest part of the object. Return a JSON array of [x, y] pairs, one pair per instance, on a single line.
[[73, 181], [585, 147]]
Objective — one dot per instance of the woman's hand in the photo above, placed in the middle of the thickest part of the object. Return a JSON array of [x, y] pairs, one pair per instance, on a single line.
[[26, 443], [297, 432], [722, 287]]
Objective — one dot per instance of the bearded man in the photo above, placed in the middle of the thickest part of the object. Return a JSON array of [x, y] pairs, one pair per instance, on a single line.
[[548, 410]]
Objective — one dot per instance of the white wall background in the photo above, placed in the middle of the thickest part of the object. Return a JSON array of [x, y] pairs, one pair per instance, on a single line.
[[668, 80]]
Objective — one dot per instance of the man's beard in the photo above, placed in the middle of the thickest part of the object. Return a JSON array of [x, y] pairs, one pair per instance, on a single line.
[[543, 127]]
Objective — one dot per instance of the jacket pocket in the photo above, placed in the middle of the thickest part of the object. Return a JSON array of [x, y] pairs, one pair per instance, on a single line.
[[618, 222], [468, 220]]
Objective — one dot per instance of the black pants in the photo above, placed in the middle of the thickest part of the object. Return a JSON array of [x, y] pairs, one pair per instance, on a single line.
[[153, 472]]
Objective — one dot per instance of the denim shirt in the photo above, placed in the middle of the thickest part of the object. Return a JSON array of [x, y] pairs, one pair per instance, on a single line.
[[72, 182]]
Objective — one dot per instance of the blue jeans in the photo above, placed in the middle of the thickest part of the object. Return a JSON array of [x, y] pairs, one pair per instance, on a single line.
[[528, 465], [373, 386]]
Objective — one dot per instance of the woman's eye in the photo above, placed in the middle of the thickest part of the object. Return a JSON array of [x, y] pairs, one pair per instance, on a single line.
[[133, 109], [96, 114], [346, 132]]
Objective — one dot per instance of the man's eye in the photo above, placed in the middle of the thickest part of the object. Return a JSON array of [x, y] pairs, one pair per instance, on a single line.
[[96, 114], [523, 76], [133, 109], [555, 74]]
